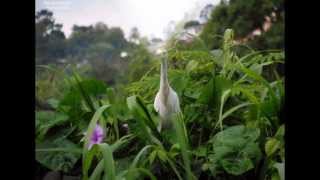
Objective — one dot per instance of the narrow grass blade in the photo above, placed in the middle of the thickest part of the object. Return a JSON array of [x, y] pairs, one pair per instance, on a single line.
[[134, 164], [182, 140], [97, 171], [137, 158], [230, 111], [144, 171], [109, 166], [223, 99], [84, 94]]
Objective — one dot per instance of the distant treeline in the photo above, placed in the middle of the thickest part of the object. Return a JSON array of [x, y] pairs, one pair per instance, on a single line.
[[97, 46]]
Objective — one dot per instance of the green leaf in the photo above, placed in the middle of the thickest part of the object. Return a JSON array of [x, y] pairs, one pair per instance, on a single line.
[[88, 159], [182, 135], [272, 145], [257, 68], [235, 108], [224, 97], [109, 166], [200, 151], [275, 176], [235, 149], [280, 168], [58, 155], [192, 65], [142, 171], [152, 156], [280, 132], [237, 167], [260, 79], [135, 162], [94, 87], [212, 91], [86, 163], [139, 155], [95, 150], [147, 127], [97, 171], [207, 93], [162, 155], [53, 102], [45, 120], [120, 142], [84, 93]]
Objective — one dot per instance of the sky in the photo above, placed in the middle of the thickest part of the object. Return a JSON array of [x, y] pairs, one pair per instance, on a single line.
[[151, 17]]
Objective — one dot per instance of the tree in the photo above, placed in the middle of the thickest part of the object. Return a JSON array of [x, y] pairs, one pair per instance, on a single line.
[[244, 17], [134, 34], [191, 24], [50, 40]]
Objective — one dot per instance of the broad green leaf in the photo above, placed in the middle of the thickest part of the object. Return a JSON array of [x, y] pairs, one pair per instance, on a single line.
[[237, 167], [272, 145], [235, 149], [58, 155]]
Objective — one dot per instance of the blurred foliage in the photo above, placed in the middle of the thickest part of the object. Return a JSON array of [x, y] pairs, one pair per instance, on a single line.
[[50, 40], [97, 48], [245, 17]]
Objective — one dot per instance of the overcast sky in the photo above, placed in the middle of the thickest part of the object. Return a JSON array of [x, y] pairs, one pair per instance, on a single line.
[[151, 17]]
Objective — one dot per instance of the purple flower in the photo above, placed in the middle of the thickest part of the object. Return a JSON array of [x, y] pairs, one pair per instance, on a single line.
[[97, 136]]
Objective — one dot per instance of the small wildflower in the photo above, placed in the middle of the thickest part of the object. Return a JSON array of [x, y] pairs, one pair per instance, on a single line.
[[97, 136]]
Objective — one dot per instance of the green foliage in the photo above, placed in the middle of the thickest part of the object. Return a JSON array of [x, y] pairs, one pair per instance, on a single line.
[[235, 150], [97, 48], [141, 61], [50, 40], [46, 120], [229, 126], [144, 120], [58, 155], [244, 18]]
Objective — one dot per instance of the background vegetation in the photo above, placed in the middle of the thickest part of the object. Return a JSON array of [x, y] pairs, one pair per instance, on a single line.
[[230, 85]]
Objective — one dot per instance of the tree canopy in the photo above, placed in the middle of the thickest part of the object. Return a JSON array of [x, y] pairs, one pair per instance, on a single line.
[[245, 17]]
